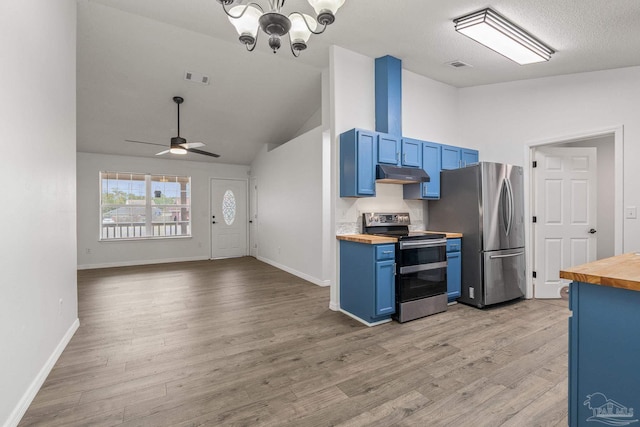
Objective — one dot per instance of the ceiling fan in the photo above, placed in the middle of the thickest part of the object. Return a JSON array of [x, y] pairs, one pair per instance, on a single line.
[[179, 145]]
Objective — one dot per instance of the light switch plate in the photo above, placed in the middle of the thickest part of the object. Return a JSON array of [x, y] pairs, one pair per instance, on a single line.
[[630, 212]]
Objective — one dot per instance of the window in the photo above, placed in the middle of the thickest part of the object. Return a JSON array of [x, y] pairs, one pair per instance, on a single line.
[[229, 207], [143, 206]]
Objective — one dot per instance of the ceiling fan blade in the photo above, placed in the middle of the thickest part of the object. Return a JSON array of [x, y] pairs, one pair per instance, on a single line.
[[192, 144], [144, 142], [206, 153], [162, 152]]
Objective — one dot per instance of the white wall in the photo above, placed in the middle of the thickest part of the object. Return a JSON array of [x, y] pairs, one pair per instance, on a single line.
[[502, 119], [117, 253], [606, 199], [290, 208], [37, 170]]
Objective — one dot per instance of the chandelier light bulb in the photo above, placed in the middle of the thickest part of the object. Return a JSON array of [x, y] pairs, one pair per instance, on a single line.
[[299, 33], [247, 24], [326, 9]]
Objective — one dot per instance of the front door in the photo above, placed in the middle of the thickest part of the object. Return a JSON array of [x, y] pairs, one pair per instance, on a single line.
[[228, 218], [565, 209]]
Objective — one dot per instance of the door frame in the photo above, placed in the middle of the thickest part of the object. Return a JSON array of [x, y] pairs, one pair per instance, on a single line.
[[246, 184], [618, 141], [253, 207]]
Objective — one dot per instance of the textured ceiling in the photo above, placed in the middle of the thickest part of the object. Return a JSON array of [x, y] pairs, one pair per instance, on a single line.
[[132, 56]]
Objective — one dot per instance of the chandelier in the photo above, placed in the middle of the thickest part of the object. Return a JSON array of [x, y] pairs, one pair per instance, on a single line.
[[249, 17]]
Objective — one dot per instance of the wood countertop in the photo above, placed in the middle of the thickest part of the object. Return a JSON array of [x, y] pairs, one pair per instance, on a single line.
[[368, 239], [376, 240], [450, 234], [622, 271]]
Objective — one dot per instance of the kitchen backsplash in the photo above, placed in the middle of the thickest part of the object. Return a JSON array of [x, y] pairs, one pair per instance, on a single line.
[[388, 199]]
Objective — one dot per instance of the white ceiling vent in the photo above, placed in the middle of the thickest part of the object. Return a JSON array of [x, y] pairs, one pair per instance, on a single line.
[[200, 78], [458, 64]]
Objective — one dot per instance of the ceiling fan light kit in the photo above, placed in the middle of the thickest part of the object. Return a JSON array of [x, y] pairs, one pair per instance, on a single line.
[[498, 34], [179, 145], [247, 19]]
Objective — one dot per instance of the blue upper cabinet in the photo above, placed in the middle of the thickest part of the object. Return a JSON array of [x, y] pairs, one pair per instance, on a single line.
[[388, 149], [468, 157], [431, 158], [411, 153], [358, 163], [456, 157], [450, 157], [431, 163]]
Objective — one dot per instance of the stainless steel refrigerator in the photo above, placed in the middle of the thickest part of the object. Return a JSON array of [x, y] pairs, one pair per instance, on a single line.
[[485, 202]]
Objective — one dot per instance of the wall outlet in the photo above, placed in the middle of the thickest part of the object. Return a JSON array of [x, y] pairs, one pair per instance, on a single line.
[[87, 251]]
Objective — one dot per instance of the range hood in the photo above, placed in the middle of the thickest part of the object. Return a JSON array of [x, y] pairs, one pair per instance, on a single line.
[[398, 175]]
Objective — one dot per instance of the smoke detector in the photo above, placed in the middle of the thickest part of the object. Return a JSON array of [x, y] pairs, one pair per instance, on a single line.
[[195, 77]]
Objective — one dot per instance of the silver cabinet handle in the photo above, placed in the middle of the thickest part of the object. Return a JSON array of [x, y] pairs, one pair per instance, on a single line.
[[506, 256], [387, 252]]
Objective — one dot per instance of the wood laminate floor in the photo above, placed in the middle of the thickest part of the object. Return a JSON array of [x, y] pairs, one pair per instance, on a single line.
[[240, 343]]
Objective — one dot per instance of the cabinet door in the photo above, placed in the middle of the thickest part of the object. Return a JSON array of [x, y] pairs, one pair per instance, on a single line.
[[385, 288], [468, 157], [388, 149], [431, 164], [450, 157], [454, 275], [366, 164], [411, 153]]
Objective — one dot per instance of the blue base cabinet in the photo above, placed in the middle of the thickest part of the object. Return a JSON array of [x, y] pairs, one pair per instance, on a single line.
[[604, 344], [367, 280], [454, 269]]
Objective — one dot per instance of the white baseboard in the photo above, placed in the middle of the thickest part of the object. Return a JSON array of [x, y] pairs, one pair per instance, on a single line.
[[140, 262], [353, 316], [37, 382], [334, 306], [300, 274]]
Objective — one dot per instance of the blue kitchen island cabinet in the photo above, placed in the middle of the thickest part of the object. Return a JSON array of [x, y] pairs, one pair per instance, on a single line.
[[604, 344], [367, 281], [454, 269]]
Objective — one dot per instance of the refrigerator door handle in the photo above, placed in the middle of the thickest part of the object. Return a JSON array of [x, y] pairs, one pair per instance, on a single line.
[[511, 205], [506, 205], [506, 256]]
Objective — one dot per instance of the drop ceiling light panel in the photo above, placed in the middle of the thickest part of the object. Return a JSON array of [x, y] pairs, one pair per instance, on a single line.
[[490, 29]]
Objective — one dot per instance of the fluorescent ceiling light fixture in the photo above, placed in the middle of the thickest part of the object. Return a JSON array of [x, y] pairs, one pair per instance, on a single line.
[[495, 32]]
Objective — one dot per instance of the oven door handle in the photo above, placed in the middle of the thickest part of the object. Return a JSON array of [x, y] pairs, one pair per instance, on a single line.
[[423, 267], [423, 244]]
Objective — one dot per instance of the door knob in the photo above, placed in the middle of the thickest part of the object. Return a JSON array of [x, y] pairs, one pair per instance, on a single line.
[[213, 222], [213, 216], [592, 231]]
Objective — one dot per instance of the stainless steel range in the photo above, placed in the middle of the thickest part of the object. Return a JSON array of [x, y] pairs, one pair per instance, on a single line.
[[421, 265]]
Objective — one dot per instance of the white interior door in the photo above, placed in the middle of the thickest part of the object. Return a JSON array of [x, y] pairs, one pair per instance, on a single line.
[[253, 217], [565, 207], [228, 218]]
